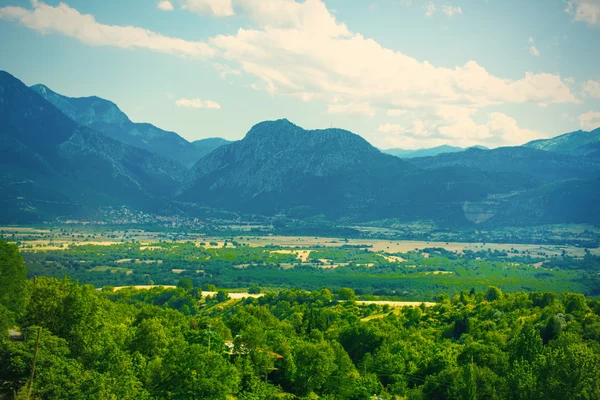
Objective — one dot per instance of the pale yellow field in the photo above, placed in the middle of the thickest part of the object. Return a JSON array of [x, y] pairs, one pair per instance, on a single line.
[[395, 303], [42, 239], [234, 296], [300, 254], [393, 258]]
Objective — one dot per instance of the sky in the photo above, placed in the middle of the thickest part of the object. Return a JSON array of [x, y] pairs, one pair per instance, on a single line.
[[400, 73]]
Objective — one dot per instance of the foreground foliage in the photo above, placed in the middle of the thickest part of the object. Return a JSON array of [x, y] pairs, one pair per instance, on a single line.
[[294, 344]]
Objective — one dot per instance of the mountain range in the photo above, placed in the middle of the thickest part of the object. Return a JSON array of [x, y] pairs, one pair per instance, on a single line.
[[433, 151], [63, 157], [106, 118]]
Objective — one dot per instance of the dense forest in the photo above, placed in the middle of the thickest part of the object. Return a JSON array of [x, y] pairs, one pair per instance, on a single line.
[[175, 344]]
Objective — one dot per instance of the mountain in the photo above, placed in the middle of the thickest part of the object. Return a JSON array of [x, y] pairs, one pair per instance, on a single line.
[[281, 168], [572, 201], [53, 163], [433, 151], [205, 146], [105, 117], [579, 143], [51, 166], [542, 165]]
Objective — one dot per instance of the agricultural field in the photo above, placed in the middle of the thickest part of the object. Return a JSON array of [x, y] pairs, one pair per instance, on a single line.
[[388, 269]]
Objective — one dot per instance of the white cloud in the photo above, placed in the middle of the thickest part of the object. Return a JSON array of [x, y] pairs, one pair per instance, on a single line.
[[396, 112], [587, 11], [570, 80], [589, 121], [351, 109], [504, 127], [197, 103], [67, 21], [298, 49], [430, 10], [451, 11], [217, 8], [455, 124], [165, 5], [390, 128], [534, 51], [591, 88], [225, 70]]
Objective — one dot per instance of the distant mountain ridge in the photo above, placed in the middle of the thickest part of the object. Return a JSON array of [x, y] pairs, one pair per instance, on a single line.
[[543, 165], [54, 163], [579, 143], [205, 146], [106, 118], [50, 165], [433, 151], [280, 167]]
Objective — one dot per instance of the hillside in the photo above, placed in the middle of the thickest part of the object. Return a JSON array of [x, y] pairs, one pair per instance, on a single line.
[[105, 117], [51, 166], [542, 165], [579, 143], [181, 342], [281, 168], [55, 164], [572, 201]]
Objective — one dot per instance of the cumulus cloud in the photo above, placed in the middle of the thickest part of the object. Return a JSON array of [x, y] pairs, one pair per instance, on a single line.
[[351, 109], [451, 11], [587, 11], [165, 5], [396, 112], [430, 9], [591, 88], [456, 125], [590, 120], [299, 49], [67, 21], [217, 8], [197, 103]]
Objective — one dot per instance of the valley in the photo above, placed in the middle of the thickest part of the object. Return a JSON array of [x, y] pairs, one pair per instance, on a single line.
[[401, 270]]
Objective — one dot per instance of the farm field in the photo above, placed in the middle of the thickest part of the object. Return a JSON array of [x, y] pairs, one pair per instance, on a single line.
[[396, 270], [46, 239]]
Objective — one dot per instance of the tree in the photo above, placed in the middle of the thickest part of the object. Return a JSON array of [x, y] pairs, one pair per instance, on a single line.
[[185, 284], [222, 296], [575, 303], [346, 294], [254, 289], [13, 278], [151, 338], [190, 372], [209, 287], [314, 365], [493, 293], [527, 345]]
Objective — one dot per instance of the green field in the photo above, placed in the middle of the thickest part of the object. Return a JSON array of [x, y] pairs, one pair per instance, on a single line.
[[405, 270]]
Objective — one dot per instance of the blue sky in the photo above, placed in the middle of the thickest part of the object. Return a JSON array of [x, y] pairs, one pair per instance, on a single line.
[[401, 73]]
